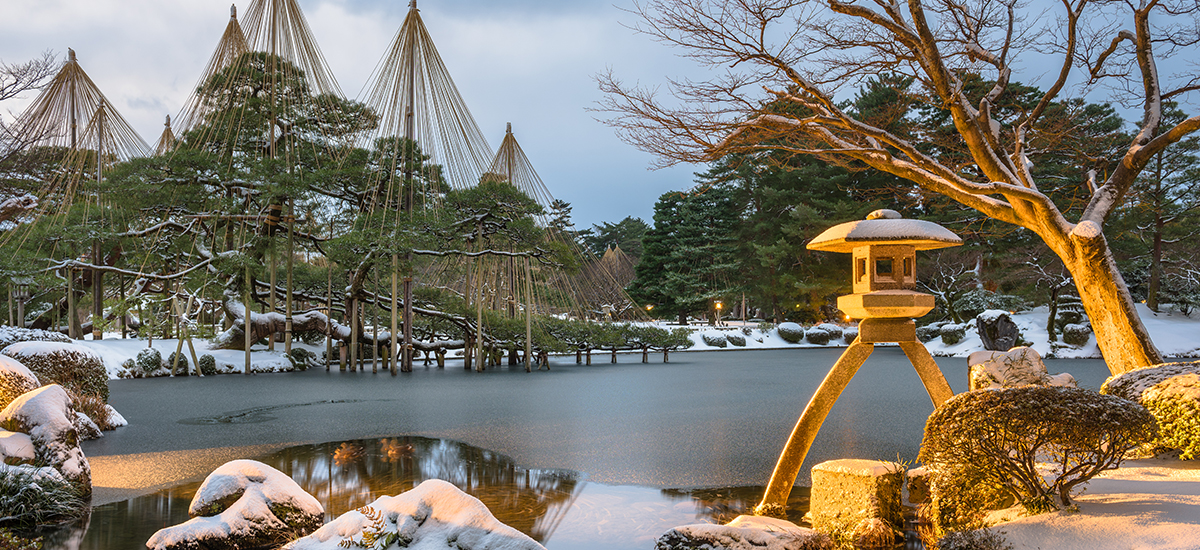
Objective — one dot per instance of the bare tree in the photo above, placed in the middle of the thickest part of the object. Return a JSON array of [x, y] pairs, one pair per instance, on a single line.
[[797, 57], [16, 80]]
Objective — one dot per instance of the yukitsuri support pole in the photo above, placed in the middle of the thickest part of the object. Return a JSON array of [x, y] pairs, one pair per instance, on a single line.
[[125, 313], [408, 347], [10, 305], [246, 314], [480, 364], [291, 264], [329, 314], [71, 315], [97, 288], [272, 258], [375, 327], [392, 355], [353, 334], [528, 317]]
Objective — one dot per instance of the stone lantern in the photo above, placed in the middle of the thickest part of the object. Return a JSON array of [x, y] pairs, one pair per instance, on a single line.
[[885, 301]]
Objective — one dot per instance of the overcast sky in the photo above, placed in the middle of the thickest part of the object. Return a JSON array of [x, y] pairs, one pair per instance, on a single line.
[[529, 62]]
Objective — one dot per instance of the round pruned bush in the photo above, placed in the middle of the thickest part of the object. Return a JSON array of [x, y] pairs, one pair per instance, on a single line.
[[1137, 383], [301, 358], [76, 368], [929, 332], [849, 334], [953, 333], [15, 380], [207, 364], [10, 335], [835, 331], [183, 363], [791, 332], [736, 339], [1076, 335], [714, 339], [1175, 403], [149, 360], [818, 336], [983, 447]]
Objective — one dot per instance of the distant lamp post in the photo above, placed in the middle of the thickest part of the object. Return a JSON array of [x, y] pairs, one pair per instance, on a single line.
[[719, 305], [884, 248], [21, 294]]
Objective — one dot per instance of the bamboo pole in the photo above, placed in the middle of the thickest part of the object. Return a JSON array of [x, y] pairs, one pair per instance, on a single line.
[[71, 316], [528, 316], [271, 258], [247, 313], [97, 286], [408, 347], [329, 315], [375, 327], [392, 356], [291, 264]]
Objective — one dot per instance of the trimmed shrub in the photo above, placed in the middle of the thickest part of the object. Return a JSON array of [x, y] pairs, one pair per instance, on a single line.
[[15, 380], [817, 336], [183, 363], [983, 447], [1069, 311], [835, 331], [1175, 403], [974, 302], [714, 338], [207, 364], [747, 331], [849, 334], [301, 357], [952, 333], [10, 335], [76, 368], [736, 339], [149, 360], [791, 332], [1076, 335], [929, 332]]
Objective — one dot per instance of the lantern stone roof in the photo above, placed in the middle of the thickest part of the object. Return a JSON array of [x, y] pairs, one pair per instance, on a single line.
[[884, 227]]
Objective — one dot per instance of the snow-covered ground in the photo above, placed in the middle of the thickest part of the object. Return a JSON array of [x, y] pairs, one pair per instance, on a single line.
[[1145, 504], [115, 351]]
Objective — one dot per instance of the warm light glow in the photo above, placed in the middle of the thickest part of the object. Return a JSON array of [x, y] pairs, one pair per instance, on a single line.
[[649, 307], [719, 304]]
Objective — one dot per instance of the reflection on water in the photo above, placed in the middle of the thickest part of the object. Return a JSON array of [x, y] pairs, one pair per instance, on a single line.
[[556, 507]]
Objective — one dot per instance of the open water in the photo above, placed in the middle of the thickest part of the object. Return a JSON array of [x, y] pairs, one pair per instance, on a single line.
[[580, 457]]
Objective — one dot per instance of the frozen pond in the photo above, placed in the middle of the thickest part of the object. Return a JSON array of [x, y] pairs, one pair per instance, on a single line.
[[622, 444]]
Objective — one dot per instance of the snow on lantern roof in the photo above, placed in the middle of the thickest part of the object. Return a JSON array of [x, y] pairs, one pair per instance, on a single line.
[[884, 227]]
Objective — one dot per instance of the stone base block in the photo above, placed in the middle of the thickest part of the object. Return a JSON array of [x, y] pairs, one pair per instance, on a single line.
[[848, 493]]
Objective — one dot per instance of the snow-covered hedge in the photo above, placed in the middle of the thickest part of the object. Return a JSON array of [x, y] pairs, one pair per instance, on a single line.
[[834, 331], [952, 333], [714, 338], [77, 369], [1175, 403], [10, 335], [849, 334], [818, 336], [207, 364], [930, 331], [791, 332], [1076, 335], [982, 446], [736, 339], [15, 380]]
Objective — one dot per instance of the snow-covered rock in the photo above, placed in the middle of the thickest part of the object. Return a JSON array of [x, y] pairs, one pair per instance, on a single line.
[[744, 533], [15, 380], [243, 504], [77, 368], [435, 515], [997, 330], [10, 335], [46, 416], [1020, 366]]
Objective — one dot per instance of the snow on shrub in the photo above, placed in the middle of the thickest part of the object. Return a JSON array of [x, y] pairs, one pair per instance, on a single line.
[[976, 539], [1076, 335], [207, 364], [818, 336], [148, 360], [76, 368], [15, 380], [1175, 403], [10, 335], [302, 359], [929, 332], [834, 331], [183, 363], [984, 446], [849, 334], [791, 332], [47, 417], [952, 333], [736, 339], [713, 338]]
